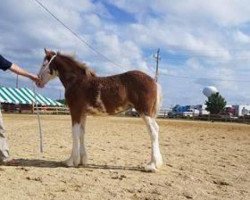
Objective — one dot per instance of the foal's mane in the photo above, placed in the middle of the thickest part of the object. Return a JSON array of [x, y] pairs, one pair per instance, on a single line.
[[71, 61]]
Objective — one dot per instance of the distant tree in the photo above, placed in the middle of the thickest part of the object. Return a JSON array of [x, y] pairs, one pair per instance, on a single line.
[[215, 103]]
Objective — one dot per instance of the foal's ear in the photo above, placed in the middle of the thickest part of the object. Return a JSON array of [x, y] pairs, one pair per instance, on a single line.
[[46, 51], [49, 53]]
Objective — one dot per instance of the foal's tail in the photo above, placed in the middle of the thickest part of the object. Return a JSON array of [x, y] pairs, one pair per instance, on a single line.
[[158, 100]]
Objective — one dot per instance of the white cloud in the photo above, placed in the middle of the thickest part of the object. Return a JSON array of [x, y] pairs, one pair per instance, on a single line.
[[241, 37], [203, 39], [220, 12]]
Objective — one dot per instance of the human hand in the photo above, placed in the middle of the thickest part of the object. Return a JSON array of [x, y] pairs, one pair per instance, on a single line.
[[34, 78]]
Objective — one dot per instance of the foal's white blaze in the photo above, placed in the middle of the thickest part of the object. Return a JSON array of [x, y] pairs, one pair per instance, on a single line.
[[44, 73], [156, 158]]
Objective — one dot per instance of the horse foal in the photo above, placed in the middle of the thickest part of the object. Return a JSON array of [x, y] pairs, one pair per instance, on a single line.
[[86, 93]]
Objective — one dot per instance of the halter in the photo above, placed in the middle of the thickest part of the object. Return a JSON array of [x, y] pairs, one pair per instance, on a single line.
[[47, 66], [53, 57]]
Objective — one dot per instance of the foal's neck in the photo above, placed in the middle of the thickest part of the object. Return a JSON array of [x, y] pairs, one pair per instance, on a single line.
[[68, 78], [70, 74]]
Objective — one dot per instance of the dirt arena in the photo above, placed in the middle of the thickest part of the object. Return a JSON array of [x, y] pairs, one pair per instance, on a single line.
[[202, 160]]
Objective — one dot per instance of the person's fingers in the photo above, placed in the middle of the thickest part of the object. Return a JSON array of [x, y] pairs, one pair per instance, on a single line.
[[34, 78]]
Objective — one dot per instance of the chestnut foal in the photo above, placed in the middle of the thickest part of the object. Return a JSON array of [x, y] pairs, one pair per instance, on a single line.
[[86, 93]]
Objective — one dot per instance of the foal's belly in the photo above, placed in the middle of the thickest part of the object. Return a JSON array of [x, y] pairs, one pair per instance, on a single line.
[[102, 111]]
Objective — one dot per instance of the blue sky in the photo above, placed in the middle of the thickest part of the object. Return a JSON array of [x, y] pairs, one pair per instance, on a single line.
[[201, 43]]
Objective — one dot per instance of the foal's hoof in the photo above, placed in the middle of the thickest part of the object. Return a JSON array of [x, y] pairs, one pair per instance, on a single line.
[[150, 167], [83, 160], [70, 163], [159, 163]]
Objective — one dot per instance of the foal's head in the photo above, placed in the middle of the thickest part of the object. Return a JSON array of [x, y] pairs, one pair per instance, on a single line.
[[48, 69], [56, 63]]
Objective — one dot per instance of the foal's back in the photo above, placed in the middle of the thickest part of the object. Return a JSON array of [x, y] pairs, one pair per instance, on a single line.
[[131, 89]]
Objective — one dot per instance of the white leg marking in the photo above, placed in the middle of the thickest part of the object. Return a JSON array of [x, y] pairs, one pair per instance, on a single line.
[[74, 159], [156, 158], [83, 153], [156, 126]]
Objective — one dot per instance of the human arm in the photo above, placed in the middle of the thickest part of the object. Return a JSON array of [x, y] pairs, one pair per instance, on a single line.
[[20, 71]]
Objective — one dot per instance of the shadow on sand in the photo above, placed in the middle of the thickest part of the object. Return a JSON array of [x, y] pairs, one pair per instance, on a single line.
[[55, 164]]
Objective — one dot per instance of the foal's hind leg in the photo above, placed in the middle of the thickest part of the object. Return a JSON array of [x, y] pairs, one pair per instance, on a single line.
[[156, 126], [156, 158]]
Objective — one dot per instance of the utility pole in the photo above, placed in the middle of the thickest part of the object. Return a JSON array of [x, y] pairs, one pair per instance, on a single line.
[[157, 58], [17, 81]]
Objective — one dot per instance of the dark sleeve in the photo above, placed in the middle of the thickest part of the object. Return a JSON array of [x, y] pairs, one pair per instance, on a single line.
[[4, 64]]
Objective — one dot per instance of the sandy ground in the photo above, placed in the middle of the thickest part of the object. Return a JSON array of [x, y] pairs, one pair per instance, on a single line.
[[202, 160]]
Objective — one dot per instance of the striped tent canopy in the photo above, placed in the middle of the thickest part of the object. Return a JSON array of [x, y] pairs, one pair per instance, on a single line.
[[24, 96]]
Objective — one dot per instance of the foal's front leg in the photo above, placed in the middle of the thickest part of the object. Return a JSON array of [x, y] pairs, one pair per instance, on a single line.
[[74, 159], [83, 153]]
